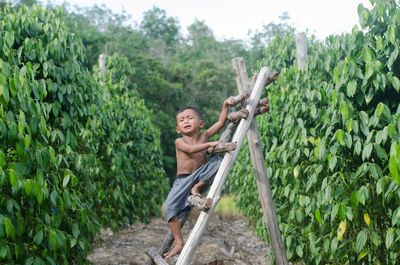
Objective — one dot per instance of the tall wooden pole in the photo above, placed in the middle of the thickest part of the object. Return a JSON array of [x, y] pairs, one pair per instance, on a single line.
[[223, 171], [260, 172], [301, 49], [102, 65]]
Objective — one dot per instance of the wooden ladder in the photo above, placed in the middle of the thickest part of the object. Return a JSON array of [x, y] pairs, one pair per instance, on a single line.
[[247, 125]]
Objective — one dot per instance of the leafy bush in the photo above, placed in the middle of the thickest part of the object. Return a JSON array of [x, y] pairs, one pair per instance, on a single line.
[[332, 146], [65, 161], [132, 180]]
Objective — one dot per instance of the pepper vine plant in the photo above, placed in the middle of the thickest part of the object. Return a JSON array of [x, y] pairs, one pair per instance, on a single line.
[[76, 152], [332, 145]]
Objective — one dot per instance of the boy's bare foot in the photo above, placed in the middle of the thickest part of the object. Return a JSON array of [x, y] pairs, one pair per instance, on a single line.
[[176, 250], [195, 191]]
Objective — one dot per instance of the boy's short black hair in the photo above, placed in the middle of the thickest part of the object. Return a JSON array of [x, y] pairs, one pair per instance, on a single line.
[[196, 110]]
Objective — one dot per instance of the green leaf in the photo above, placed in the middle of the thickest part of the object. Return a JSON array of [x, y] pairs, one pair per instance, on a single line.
[[10, 229], [379, 43], [380, 185], [363, 254], [357, 148], [3, 159], [27, 140], [342, 211], [389, 237], [379, 109], [390, 130], [334, 212], [367, 54], [332, 163], [73, 242], [53, 239], [367, 151], [66, 180], [53, 197], [318, 216], [28, 187], [52, 261], [299, 251], [348, 140], [344, 109], [393, 169], [354, 199], [393, 57], [38, 237], [369, 70], [379, 137], [334, 98], [75, 230], [396, 217], [74, 181], [349, 125], [9, 36], [13, 177], [351, 88], [361, 240], [363, 195], [396, 83], [391, 34], [340, 137], [3, 250]]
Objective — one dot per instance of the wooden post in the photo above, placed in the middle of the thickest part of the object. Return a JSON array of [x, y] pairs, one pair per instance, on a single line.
[[301, 48], [223, 171], [102, 65], [260, 173]]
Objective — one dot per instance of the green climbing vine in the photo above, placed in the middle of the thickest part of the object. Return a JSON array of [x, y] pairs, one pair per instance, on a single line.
[[332, 145]]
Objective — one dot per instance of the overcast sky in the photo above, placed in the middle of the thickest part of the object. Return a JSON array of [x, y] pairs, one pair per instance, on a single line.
[[233, 18]]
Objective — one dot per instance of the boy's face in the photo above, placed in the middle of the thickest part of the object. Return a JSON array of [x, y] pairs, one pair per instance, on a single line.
[[187, 122]]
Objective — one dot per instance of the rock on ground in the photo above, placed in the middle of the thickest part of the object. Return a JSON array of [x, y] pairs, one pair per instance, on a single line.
[[227, 240]]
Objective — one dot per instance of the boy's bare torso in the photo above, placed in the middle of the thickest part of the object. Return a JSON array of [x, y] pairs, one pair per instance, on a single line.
[[188, 163]]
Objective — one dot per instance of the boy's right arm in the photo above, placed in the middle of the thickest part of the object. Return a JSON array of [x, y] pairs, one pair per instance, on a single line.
[[194, 148], [215, 128]]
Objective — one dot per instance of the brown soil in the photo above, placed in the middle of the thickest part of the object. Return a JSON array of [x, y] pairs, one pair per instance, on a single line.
[[227, 240]]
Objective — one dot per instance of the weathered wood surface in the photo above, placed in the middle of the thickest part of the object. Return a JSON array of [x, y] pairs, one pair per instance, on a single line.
[[260, 172], [168, 240], [223, 171], [227, 134], [240, 98], [153, 253], [223, 147], [301, 49], [261, 110], [237, 115], [243, 113], [200, 203], [102, 66], [263, 102]]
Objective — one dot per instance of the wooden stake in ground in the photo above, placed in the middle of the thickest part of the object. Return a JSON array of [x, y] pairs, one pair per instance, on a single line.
[[223, 171], [301, 49], [260, 172]]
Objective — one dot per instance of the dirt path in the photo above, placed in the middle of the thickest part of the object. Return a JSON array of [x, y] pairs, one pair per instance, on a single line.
[[227, 240]]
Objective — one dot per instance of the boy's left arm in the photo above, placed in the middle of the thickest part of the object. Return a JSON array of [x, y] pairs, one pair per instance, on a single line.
[[216, 127]]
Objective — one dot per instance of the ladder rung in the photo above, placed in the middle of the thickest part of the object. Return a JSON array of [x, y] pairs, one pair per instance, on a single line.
[[199, 203], [224, 147]]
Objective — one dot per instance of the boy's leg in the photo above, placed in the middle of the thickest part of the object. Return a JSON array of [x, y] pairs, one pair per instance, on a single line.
[[177, 234], [199, 185]]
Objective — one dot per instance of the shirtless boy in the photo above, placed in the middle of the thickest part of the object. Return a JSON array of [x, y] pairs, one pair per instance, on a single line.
[[194, 171]]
